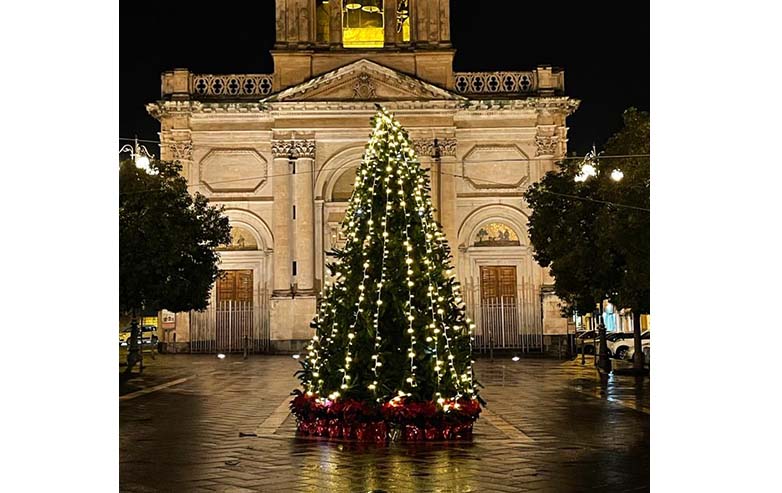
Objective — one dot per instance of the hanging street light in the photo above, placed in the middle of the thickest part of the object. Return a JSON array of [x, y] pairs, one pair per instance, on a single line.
[[140, 155], [371, 6], [588, 166]]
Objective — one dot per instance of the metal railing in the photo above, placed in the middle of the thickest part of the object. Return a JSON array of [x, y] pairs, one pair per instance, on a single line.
[[230, 327], [509, 322]]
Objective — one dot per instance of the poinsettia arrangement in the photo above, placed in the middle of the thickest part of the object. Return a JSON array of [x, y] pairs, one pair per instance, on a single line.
[[398, 417]]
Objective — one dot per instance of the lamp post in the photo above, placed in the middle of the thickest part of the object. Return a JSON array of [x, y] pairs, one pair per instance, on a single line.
[[142, 158], [589, 168], [603, 362], [139, 153]]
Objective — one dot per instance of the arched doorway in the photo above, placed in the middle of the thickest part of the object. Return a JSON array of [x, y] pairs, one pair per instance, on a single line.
[[501, 279], [237, 318]]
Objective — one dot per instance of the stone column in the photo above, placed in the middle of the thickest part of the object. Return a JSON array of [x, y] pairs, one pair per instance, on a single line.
[[445, 23], [448, 168], [335, 24], [421, 19], [291, 312], [281, 217], [304, 224], [389, 22], [440, 161], [320, 228]]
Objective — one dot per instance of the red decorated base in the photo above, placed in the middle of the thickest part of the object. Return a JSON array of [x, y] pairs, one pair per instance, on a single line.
[[396, 419]]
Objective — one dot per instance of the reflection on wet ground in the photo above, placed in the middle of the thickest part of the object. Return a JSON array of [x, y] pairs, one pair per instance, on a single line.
[[549, 426]]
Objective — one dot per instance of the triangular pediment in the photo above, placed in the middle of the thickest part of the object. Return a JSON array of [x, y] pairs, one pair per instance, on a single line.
[[364, 80]]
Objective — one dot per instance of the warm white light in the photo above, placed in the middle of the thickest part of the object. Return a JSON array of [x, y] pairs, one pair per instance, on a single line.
[[617, 175], [515, 358], [221, 356], [295, 356], [142, 162]]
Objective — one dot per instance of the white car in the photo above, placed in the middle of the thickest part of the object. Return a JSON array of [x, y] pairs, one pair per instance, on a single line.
[[616, 340], [624, 347]]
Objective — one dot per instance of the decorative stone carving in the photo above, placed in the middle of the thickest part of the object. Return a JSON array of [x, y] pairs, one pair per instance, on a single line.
[[231, 85], [362, 80], [364, 88], [495, 82], [425, 147], [269, 106], [182, 151], [547, 145], [294, 148]]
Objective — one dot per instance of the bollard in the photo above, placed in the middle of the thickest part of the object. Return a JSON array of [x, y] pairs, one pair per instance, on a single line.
[[583, 355], [245, 346]]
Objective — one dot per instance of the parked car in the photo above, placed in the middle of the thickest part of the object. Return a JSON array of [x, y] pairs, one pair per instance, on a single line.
[[624, 348], [615, 340], [124, 337], [148, 335], [586, 341]]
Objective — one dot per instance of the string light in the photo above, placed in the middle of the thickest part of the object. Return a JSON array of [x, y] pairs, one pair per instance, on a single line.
[[367, 221]]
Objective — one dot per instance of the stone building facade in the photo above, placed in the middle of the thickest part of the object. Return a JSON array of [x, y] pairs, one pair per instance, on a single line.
[[280, 150]]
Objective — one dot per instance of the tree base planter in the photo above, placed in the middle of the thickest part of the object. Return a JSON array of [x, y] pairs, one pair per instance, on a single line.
[[397, 419]]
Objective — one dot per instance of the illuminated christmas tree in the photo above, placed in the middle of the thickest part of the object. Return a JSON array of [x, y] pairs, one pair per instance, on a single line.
[[392, 349]]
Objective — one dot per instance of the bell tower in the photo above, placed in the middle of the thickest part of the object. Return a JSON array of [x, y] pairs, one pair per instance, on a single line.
[[316, 36]]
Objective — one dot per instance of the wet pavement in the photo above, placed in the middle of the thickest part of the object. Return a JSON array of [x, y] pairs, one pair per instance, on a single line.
[[196, 423]]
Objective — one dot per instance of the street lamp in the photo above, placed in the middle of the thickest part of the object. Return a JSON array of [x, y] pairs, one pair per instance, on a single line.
[[140, 155], [142, 158], [589, 168]]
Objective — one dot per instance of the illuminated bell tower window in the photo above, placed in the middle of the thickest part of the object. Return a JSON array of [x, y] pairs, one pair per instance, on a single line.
[[362, 23], [322, 21], [403, 20]]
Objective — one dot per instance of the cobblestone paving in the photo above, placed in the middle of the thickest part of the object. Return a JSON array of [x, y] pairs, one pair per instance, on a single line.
[[550, 426]]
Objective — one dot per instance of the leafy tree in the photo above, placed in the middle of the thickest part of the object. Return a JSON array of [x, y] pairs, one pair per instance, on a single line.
[[168, 238], [594, 234]]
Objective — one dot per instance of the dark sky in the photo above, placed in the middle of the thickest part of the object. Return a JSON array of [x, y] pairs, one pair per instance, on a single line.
[[603, 47]]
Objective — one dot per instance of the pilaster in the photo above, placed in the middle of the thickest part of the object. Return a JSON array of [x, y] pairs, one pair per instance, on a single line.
[[281, 218]]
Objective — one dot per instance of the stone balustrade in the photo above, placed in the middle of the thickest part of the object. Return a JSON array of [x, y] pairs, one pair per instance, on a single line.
[[231, 85], [543, 81], [494, 82]]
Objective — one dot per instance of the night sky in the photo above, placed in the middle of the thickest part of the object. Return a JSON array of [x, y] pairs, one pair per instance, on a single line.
[[603, 47]]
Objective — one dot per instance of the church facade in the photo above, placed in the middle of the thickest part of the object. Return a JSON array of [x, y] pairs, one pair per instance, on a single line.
[[279, 151]]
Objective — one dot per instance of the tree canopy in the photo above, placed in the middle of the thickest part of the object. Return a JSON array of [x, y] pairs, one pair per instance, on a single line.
[[168, 237], [594, 234]]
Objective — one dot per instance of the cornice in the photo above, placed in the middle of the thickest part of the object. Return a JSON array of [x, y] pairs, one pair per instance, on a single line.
[[162, 109]]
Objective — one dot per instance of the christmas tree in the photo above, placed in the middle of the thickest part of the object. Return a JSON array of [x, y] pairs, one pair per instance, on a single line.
[[392, 347]]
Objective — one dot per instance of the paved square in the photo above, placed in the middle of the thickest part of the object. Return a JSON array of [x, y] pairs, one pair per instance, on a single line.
[[204, 424]]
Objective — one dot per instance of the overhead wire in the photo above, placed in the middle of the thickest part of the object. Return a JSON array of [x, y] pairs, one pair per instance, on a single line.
[[488, 182]]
